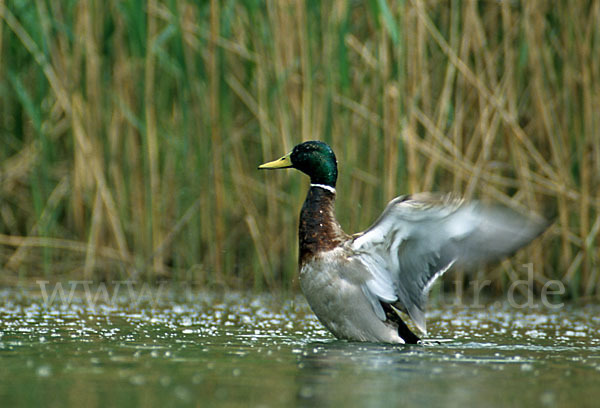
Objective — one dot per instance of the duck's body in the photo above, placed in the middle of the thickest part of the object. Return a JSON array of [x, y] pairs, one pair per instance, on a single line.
[[358, 285], [337, 298], [330, 279]]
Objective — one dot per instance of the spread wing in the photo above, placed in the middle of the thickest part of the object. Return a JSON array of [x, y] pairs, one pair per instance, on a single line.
[[419, 237]]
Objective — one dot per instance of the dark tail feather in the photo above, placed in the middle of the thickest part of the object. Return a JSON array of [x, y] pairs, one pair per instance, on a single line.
[[404, 332]]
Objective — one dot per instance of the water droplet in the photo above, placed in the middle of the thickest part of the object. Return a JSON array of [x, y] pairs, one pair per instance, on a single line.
[[527, 367], [137, 379], [306, 392], [182, 393], [44, 371]]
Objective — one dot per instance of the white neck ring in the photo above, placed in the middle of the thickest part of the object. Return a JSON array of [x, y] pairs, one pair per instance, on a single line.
[[324, 186]]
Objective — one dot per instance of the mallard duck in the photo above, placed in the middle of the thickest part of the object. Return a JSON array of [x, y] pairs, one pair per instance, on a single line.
[[360, 286]]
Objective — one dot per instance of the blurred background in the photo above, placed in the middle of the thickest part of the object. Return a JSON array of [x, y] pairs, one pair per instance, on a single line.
[[131, 130]]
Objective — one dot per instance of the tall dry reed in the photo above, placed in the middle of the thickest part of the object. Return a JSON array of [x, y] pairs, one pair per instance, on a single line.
[[131, 130]]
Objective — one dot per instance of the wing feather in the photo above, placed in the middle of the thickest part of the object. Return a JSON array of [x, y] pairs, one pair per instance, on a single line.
[[418, 238]]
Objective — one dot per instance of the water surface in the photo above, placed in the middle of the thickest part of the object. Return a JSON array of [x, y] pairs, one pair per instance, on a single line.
[[205, 349]]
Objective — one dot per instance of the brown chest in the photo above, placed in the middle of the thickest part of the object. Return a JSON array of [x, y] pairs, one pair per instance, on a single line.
[[318, 229]]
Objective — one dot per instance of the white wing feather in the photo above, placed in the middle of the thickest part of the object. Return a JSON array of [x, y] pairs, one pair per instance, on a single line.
[[419, 238]]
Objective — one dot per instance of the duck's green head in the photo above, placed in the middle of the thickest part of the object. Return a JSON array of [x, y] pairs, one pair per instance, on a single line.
[[314, 158]]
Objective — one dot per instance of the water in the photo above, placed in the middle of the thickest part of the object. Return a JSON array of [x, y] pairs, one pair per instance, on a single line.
[[205, 349]]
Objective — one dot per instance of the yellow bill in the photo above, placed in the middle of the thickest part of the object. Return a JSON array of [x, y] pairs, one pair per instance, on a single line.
[[282, 163]]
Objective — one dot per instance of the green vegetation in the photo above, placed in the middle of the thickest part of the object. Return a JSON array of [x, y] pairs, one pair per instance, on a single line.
[[131, 130]]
